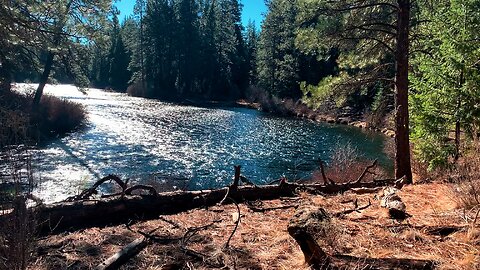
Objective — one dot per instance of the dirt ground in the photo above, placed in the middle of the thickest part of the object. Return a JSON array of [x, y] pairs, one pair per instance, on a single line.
[[197, 239]]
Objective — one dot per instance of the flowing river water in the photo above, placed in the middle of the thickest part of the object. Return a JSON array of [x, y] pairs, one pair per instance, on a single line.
[[191, 147]]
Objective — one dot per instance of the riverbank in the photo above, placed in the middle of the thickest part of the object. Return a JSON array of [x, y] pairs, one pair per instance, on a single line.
[[54, 117], [288, 107], [436, 231]]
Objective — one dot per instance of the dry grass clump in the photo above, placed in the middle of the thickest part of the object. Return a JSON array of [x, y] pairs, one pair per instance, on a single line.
[[60, 115], [55, 117], [347, 165], [14, 118], [467, 179], [17, 226]]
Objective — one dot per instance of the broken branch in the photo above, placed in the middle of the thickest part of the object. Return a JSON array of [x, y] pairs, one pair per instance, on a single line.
[[367, 170]]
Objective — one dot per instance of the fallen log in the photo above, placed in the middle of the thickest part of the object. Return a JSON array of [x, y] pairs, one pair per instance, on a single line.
[[305, 224], [72, 215], [310, 227], [119, 258], [352, 262]]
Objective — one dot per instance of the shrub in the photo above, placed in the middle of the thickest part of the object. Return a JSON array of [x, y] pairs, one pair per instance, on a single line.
[[466, 176], [55, 117], [137, 90], [346, 164], [18, 225], [61, 116]]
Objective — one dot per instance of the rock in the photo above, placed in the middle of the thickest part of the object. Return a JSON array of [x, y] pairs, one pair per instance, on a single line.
[[389, 133], [390, 200], [330, 120], [343, 120]]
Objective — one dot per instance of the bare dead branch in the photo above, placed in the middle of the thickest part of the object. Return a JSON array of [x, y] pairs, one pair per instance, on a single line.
[[227, 244], [367, 170], [150, 189], [355, 209], [93, 190]]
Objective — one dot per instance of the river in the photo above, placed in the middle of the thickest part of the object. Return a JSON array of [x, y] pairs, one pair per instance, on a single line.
[[186, 147]]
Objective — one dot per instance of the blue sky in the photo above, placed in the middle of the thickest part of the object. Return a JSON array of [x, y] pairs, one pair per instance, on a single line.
[[252, 10]]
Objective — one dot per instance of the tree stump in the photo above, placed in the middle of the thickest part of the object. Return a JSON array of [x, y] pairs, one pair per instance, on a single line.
[[306, 223]]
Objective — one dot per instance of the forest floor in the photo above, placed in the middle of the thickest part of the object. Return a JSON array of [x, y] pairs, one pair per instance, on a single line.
[[437, 230]]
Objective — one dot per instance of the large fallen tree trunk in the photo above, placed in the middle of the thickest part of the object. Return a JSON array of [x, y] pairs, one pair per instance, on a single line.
[[78, 214]]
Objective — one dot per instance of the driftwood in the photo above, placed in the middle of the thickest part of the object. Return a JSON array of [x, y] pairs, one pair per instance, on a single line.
[[352, 262], [81, 211], [303, 227], [119, 258], [310, 224], [79, 214]]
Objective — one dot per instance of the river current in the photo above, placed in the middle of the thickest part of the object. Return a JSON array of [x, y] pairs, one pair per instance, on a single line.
[[185, 147]]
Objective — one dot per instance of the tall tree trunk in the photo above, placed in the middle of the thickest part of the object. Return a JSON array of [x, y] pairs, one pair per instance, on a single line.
[[402, 140], [49, 63], [457, 140], [43, 81], [457, 121], [5, 77]]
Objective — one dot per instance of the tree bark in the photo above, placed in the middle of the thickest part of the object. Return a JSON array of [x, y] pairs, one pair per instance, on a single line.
[[5, 77], [457, 122], [311, 225], [457, 139], [50, 56], [43, 81], [115, 210], [402, 140]]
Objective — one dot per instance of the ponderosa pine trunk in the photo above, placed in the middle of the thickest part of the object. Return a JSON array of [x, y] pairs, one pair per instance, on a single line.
[[402, 140], [50, 57], [5, 78], [43, 81]]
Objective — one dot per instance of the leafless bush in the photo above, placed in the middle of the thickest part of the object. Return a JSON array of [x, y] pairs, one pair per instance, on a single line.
[[14, 127], [136, 90], [346, 164], [17, 223], [55, 116], [61, 115], [466, 176], [374, 119]]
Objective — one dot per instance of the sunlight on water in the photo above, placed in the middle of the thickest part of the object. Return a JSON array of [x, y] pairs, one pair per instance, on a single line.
[[137, 138]]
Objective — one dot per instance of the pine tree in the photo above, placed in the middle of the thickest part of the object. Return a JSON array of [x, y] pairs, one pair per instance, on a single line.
[[251, 52], [446, 79], [277, 58], [119, 59], [61, 24], [368, 34], [160, 65]]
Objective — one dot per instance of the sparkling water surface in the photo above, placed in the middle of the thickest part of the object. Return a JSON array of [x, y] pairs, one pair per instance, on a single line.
[[188, 146]]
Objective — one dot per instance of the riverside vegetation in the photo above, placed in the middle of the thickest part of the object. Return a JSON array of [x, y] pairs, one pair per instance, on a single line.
[[410, 65]]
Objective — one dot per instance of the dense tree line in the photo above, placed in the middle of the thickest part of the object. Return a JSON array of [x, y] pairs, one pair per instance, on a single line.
[[179, 49], [407, 59], [411, 59]]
